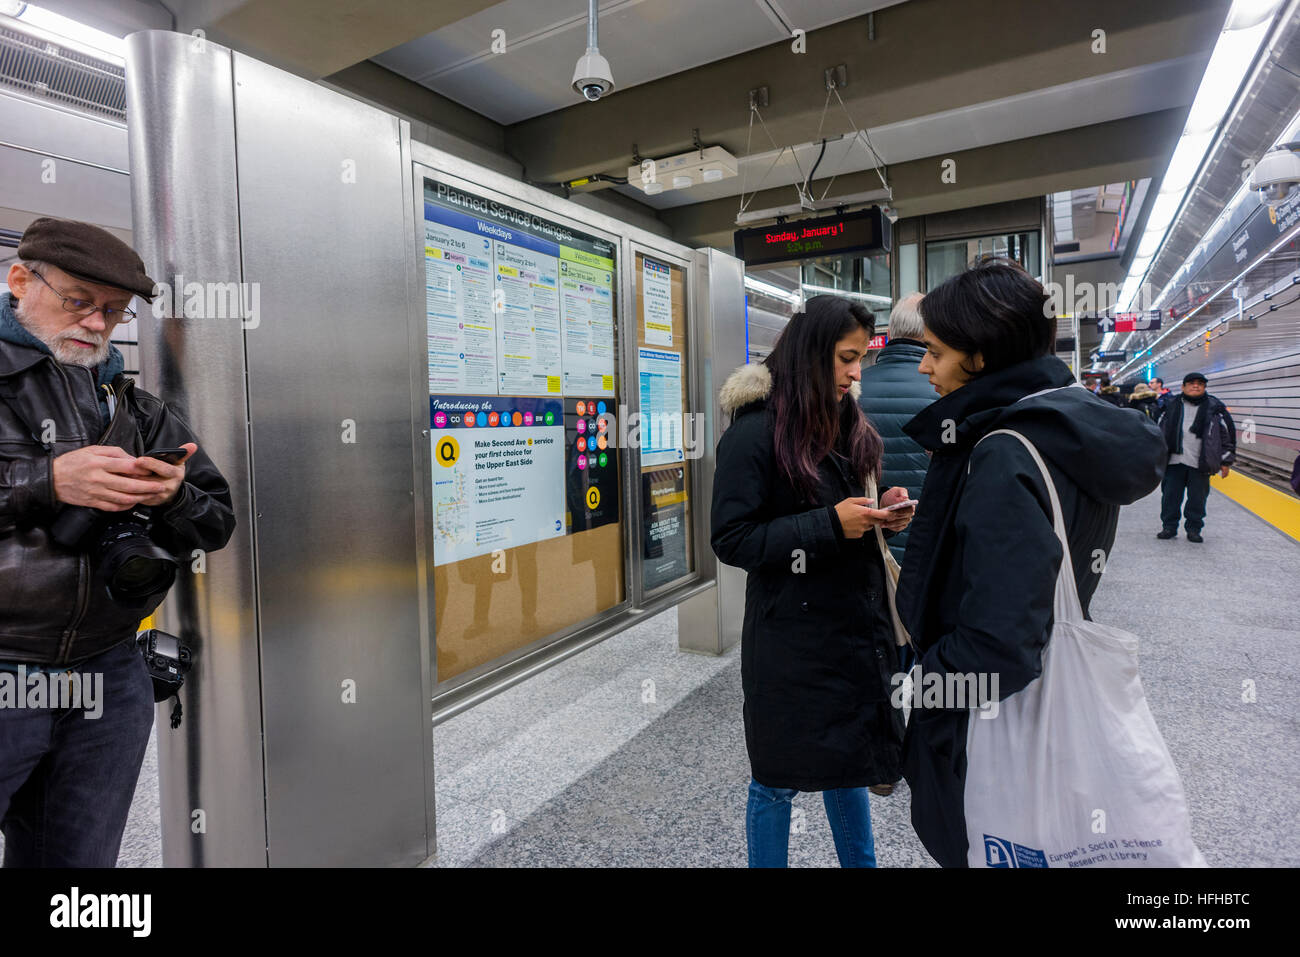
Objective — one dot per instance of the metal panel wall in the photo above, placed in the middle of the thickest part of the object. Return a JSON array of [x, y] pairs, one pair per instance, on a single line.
[[182, 148], [710, 621], [324, 228], [242, 172]]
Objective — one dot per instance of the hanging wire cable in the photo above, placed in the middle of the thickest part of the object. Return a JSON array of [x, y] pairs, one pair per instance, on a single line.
[[878, 161], [772, 139], [812, 173], [744, 205], [805, 196], [802, 187], [749, 138]]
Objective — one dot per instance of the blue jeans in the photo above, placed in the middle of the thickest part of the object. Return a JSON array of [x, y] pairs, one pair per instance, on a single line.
[[67, 778], [767, 825]]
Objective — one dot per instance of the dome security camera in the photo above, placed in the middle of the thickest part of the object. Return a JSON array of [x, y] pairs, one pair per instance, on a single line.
[[592, 77], [1276, 177]]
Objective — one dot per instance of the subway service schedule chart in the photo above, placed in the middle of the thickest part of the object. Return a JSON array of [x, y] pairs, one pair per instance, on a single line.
[[516, 305]]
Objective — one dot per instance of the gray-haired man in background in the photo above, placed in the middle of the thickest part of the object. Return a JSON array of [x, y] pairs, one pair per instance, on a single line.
[[893, 391]]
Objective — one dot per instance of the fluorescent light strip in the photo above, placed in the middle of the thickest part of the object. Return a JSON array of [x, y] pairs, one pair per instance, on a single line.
[[776, 292], [870, 297], [79, 32], [1234, 52], [1209, 299], [1212, 234]]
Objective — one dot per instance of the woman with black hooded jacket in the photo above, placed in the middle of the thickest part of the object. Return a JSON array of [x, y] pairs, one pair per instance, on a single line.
[[818, 653], [982, 559]]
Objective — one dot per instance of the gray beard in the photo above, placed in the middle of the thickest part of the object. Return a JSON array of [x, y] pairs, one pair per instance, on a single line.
[[75, 356], [65, 352]]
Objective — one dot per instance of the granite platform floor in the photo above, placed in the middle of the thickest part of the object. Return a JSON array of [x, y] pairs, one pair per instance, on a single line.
[[632, 754]]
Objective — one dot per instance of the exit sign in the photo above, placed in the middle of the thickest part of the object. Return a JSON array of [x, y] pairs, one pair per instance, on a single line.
[[877, 342]]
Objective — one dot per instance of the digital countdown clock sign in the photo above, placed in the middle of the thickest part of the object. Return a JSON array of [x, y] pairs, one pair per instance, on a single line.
[[865, 231]]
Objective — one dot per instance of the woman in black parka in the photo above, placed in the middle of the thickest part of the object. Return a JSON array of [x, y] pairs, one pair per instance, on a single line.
[[817, 646], [980, 570]]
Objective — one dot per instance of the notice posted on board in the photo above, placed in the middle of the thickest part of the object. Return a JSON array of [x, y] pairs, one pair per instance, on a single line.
[[491, 454], [498, 473]]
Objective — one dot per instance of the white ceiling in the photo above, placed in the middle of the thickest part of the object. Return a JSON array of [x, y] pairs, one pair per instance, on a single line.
[[642, 39]]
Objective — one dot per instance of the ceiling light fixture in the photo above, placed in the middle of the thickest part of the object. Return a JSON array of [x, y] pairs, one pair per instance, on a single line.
[[1247, 24], [709, 164]]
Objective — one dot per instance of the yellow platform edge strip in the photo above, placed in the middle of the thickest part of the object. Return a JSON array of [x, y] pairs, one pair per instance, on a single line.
[[1279, 509]]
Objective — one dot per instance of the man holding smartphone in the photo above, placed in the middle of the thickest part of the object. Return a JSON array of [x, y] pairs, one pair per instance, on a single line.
[[76, 701]]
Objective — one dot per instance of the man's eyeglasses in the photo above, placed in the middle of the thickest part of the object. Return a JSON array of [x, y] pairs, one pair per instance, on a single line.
[[82, 308]]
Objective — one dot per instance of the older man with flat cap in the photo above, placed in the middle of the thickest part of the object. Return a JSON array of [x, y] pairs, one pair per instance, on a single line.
[[1202, 440], [76, 489]]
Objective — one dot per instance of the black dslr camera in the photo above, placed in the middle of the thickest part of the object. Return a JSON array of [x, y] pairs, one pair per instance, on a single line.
[[168, 660], [133, 566]]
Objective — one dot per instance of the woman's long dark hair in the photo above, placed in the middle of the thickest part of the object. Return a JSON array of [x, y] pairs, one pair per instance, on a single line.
[[811, 417]]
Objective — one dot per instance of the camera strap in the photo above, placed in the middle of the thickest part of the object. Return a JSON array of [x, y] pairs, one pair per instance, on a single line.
[[176, 710]]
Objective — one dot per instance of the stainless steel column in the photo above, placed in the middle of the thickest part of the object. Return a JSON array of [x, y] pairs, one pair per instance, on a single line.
[[710, 621], [308, 735], [181, 133]]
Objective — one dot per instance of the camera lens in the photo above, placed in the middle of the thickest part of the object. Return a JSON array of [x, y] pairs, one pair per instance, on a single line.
[[139, 576], [132, 565]]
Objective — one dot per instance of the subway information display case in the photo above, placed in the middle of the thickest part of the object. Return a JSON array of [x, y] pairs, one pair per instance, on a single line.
[[562, 424]]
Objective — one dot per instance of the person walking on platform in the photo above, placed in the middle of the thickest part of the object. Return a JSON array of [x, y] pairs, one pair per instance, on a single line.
[[1162, 394], [817, 644], [979, 576], [1144, 399], [1202, 440], [1110, 393], [892, 393], [76, 700]]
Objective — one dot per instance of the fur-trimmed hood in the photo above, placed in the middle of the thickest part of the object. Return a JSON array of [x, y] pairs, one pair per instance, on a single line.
[[753, 382]]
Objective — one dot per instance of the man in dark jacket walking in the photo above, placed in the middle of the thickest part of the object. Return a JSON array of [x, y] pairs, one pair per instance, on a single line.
[[76, 701], [1202, 440], [1163, 395], [893, 392]]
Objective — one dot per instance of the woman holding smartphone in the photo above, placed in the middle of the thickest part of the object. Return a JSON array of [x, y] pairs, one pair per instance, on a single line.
[[980, 570], [817, 645]]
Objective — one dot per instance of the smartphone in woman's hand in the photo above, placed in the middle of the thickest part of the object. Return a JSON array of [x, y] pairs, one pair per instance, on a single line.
[[906, 503]]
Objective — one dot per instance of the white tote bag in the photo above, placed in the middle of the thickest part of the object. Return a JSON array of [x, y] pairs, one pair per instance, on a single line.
[[1072, 771]]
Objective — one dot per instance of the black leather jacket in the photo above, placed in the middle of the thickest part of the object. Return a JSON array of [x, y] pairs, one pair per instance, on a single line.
[[54, 607]]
